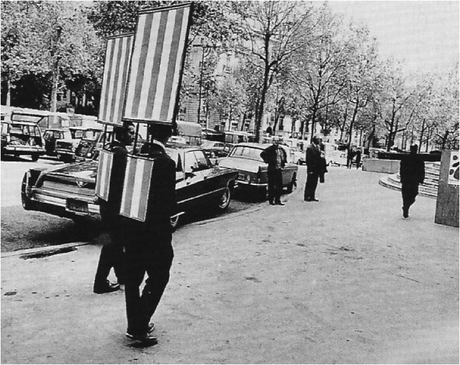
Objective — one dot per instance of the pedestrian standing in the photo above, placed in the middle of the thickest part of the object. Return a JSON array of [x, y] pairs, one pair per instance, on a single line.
[[276, 158], [315, 167], [412, 173], [111, 255], [358, 158], [150, 249]]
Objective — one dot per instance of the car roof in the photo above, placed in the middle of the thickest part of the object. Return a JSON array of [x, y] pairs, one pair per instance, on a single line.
[[252, 144]]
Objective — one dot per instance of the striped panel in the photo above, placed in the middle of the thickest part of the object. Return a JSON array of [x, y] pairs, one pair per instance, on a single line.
[[136, 188], [114, 81], [156, 64], [104, 172]]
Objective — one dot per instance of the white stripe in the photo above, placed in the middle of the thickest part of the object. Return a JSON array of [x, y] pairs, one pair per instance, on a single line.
[[112, 85], [178, 63], [134, 68], [124, 208], [121, 76], [106, 75], [142, 112], [139, 173], [164, 64]]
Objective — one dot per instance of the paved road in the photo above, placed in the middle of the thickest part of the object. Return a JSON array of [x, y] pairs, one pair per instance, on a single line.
[[345, 280]]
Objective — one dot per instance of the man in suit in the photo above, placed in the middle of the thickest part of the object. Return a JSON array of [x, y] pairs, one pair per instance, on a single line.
[[150, 250], [275, 157], [112, 252], [314, 169], [412, 173]]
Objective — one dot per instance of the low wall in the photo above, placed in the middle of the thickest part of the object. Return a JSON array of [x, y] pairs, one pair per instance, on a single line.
[[381, 165], [447, 201]]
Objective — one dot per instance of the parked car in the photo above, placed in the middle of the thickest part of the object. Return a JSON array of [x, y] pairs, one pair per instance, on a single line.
[[334, 155], [252, 170], [215, 148], [21, 135], [51, 135], [65, 148], [69, 190]]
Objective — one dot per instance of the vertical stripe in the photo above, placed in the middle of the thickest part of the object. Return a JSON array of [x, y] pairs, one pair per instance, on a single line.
[[155, 70], [169, 32], [136, 197], [121, 80], [145, 189], [134, 69], [151, 68], [127, 186], [107, 75], [170, 87], [152, 90], [178, 63], [143, 50], [115, 76], [104, 173]]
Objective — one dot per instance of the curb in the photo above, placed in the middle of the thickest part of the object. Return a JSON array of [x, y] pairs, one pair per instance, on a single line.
[[48, 250]]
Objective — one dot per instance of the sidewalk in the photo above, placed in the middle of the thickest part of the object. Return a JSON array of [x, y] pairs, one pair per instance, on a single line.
[[344, 280]]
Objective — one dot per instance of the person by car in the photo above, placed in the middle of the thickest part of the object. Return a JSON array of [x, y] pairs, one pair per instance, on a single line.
[[276, 158]]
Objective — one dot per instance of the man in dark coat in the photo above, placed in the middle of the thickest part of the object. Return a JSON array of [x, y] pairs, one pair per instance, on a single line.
[[315, 168], [275, 157], [112, 252], [412, 173], [150, 249]]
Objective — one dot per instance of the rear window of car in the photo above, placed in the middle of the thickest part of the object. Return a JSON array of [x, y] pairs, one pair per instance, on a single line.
[[247, 152]]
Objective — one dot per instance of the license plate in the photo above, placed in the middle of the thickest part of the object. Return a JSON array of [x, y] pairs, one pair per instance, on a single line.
[[77, 206]]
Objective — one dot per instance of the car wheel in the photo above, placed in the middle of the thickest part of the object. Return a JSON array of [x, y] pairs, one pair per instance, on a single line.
[[225, 199], [174, 221], [34, 157], [25, 200]]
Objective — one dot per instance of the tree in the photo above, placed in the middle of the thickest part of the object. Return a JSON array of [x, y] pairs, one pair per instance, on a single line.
[[269, 43], [55, 40]]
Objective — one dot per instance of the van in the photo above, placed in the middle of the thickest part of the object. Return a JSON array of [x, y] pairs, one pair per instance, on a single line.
[[21, 135]]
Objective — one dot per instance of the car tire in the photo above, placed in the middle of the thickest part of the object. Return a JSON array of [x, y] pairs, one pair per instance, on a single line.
[[25, 200], [175, 221], [34, 157], [225, 199]]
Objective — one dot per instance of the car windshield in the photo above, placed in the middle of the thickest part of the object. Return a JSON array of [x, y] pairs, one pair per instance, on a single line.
[[251, 153]]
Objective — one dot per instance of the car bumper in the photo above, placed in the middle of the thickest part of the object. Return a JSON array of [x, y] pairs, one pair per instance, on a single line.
[[23, 150], [64, 204]]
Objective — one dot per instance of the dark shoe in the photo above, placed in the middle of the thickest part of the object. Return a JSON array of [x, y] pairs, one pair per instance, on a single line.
[[144, 338], [405, 212], [106, 287], [279, 203], [307, 199], [271, 203]]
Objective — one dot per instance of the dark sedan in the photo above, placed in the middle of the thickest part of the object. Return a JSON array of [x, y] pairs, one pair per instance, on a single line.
[[69, 190]]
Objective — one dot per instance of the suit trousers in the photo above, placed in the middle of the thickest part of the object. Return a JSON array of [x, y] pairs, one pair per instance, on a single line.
[[111, 255], [409, 192], [151, 254], [310, 186], [275, 185]]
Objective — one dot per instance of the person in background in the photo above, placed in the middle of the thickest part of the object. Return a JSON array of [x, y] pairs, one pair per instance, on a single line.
[[315, 166], [412, 173], [275, 157], [112, 253], [358, 158], [150, 248]]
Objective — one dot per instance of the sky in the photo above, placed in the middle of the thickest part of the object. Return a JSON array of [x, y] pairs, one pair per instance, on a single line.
[[423, 33]]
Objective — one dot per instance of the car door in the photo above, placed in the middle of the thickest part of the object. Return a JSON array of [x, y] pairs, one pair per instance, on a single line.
[[189, 181]]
